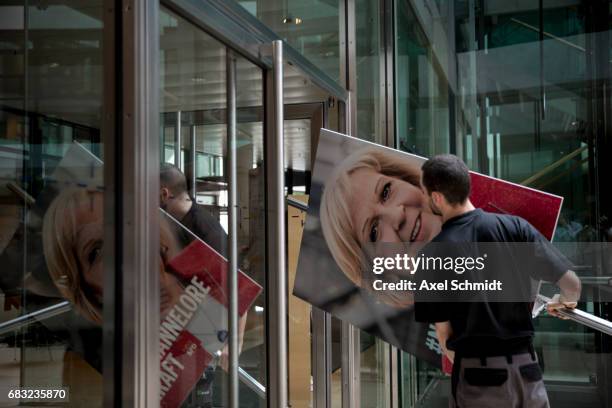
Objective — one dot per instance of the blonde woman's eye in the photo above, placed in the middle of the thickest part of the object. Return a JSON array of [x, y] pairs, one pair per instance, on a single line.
[[386, 191], [94, 254], [374, 232]]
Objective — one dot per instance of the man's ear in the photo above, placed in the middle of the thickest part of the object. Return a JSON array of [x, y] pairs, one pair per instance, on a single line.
[[164, 193], [437, 198]]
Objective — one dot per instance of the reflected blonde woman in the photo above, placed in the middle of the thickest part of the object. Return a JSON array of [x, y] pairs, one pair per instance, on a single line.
[[73, 244], [375, 196]]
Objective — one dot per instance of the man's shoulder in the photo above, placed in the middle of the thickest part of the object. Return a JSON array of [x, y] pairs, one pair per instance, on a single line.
[[203, 214], [200, 211], [503, 218], [205, 225], [508, 226]]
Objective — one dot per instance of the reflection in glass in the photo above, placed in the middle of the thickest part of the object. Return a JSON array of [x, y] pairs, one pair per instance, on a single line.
[[194, 112], [299, 320], [42, 259], [336, 357], [312, 27], [370, 113], [421, 90], [520, 105], [374, 372], [251, 220]]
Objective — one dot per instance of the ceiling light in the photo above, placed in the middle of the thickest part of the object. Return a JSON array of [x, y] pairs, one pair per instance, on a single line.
[[292, 20]]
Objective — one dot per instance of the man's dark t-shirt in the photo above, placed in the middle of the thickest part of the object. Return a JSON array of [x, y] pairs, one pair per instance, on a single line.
[[201, 223], [493, 328]]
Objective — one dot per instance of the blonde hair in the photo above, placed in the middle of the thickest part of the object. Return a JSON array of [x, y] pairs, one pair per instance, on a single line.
[[335, 211], [59, 243]]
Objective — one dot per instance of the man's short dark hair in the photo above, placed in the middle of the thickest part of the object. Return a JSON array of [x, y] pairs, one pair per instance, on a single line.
[[172, 178], [448, 175]]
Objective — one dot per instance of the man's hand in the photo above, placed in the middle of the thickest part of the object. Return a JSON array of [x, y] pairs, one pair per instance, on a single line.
[[559, 302], [571, 287]]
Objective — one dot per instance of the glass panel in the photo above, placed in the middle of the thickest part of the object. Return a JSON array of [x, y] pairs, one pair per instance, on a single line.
[[51, 195], [312, 27], [370, 113], [375, 389], [532, 117], [524, 104], [421, 89], [193, 67], [299, 351], [251, 225], [336, 356]]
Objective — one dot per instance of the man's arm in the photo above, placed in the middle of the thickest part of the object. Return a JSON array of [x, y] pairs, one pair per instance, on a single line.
[[570, 287], [443, 332]]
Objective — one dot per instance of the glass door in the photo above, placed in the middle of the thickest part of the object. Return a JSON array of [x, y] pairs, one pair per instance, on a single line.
[[195, 73], [52, 191], [206, 84]]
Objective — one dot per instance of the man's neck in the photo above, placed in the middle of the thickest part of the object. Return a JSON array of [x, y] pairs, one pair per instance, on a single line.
[[458, 210], [182, 206]]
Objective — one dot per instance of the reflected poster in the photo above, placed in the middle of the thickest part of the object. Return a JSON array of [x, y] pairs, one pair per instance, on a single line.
[[67, 223]]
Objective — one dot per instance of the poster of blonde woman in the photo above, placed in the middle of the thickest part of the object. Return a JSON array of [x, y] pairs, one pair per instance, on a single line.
[[363, 194]]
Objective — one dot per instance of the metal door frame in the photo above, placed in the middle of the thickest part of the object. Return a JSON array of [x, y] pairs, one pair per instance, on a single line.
[[131, 216], [131, 366]]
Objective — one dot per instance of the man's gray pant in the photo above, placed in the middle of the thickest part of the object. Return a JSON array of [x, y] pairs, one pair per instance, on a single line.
[[505, 381]]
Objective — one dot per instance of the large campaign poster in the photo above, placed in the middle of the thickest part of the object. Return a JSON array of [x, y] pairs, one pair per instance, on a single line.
[[351, 177]]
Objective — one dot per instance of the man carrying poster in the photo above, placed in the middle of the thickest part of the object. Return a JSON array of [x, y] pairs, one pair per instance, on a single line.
[[368, 198], [174, 199], [490, 343]]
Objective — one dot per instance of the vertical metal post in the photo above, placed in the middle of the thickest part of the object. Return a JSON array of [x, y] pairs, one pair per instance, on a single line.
[[350, 366], [276, 249], [131, 209], [177, 141], [410, 398], [380, 135], [232, 288], [385, 63], [350, 68], [193, 156], [394, 368], [541, 52], [350, 334], [321, 358], [388, 23], [452, 69]]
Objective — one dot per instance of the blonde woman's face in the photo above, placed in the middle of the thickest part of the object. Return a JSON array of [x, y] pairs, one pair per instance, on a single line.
[[89, 250], [387, 209]]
